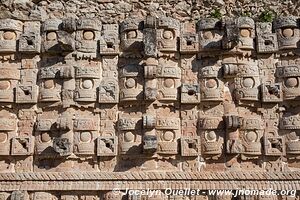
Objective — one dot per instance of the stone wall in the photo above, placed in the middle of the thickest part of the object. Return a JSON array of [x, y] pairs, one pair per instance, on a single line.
[[97, 97], [114, 11]]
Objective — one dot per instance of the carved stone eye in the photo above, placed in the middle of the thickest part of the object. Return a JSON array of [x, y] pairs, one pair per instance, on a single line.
[[88, 35], [130, 83], [167, 34], [211, 136], [131, 34], [128, 137], [168, 136], [169, 83], [85, 136], [287, 32], [49, 84], [3, 137], [51, 36], [248, 82], [45, 137], [251, 136], [208, 35], [4, 85], [245, 32], [211, 83], [87, 84], [9, 35], [291, 82]]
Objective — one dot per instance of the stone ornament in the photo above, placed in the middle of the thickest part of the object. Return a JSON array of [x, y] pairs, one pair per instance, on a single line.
[[150, 102]]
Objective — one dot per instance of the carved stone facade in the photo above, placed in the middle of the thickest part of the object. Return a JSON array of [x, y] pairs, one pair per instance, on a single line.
[[148, 103]]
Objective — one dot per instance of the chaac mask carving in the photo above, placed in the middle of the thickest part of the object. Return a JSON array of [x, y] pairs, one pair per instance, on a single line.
[[245, 75], [8, 131], [239, 35], [57, 38], [87, 81], [131, 83], [88, 34], [287, 30], [290, 130], [211, 34], [130, 138], [167, 34], [212, 136], [131, 35], [10, 31], [211, 86], [251, 132], [54, 85], [85, 134], [246, 28], [151, 94], [168, 80], [8, 83], [288, 75]]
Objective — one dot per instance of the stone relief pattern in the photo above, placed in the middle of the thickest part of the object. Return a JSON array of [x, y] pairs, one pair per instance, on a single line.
[[149, 94]]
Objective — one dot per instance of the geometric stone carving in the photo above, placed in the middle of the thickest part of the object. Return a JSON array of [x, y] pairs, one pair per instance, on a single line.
[[22, 146], [62, 146], [266, 39], [107, 146], [109, 42], [190, 146], [190, 94], [274, 146], [271, 92]]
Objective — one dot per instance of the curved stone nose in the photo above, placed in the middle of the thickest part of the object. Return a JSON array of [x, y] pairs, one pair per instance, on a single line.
[[66, 41]]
